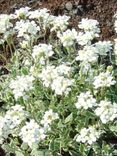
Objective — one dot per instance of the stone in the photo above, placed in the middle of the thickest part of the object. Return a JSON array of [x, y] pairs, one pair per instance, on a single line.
[[69, 6]]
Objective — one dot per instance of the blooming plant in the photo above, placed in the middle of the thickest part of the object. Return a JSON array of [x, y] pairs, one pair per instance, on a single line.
[[59, 95]]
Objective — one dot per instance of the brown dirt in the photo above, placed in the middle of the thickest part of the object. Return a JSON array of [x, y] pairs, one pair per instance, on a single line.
[[101, 10]]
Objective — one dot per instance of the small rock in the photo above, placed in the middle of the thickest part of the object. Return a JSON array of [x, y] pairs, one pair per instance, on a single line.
[[80, 7], [74, 11], [80, 10], [31, 1], [109, 24], [76, 3], [68, 6], [89, 6]]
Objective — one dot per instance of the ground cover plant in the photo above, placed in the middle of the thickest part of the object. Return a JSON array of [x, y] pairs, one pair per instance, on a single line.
[[58, 96]]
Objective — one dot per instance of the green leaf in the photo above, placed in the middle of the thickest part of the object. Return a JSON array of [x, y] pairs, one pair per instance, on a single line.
[[24, 71], [37, 153], [8, 148], [19, 153], [113, 128], [69, 118], [24, 146]]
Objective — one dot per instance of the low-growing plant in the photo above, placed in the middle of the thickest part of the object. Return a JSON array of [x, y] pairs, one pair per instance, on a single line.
[[59, 94]]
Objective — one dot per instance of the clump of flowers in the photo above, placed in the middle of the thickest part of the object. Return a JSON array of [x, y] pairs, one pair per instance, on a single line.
[[48, 117], [54, 77], [104, 79], [68, 37], [88, 135], [60, 23], [21, 84], [42, 52], [25, 28], [89, 25], [106, 111], [85, 101], [32, 134], [12, 119], [88, 54], [59, 96], [16, 115], [103, 47], [22, 12], [5, 23]]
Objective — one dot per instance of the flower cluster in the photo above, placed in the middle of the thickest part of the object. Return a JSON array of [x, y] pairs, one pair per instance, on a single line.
[[106, 111], [16, 115], [88, 135], [103, 47], [89, 25], [85, 38], [85, 100], [5, 23], [104, 79], [42, 52], [12, 119], [32, 133], [88, 54], [26, 28], [21, 84], [48, 117], [54, 77], [22, 12], [68, 37], [60, 23]]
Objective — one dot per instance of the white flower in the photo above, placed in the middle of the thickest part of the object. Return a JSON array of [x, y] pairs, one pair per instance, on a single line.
[[39, 14], [103, 47], [106, 111], [32, 133], [88, 135], [85, 68], [15, 115], [48, 74], [64, 69], [85, 101], [11, 120], [89, 25], [24, 44], [43, 17], [115, 25], [22, 12], [68, 37], [42, 51], [115, 47], [61, 85], [85, 38], [4, 129], [104, 79], [21, 84], [5, 23], [115, 50], [49, 117], [59, 23], [53, 77], [88, 54], [25, 28]]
